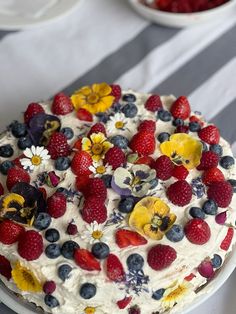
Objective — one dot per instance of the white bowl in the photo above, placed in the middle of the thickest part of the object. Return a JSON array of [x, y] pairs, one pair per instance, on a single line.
[[184, 19], [23, 307]]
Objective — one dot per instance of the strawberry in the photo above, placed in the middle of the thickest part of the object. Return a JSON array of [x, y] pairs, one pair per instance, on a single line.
[[225, 244], [56, 205], [58, 146], [147, 125], [153, 103], [62, 104], [221, 193], [1, 189], [208, 160], [164, 167], [114, 268], [181, 108], [122, 304], [81, 183], [126, 238], [190, 277], [180, 172], [84, 115], [97, 128], [210, 134], [180, 193], [161, 256], [115, 157], [5, 267], [96, 187], [212, 175], [196, 119], [78, 145], [10, 231], [94, 210], [32, 109], [116, 91], [16, 175], [80, 163], [30, 245], [145, 160], [85, 260], [197, 231], [143, 143]]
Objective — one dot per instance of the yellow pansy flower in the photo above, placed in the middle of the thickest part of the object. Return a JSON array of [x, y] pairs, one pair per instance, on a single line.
[[25, 279], [95, 98], [97, 145], [175, 293], [183, 149], [152, 217]]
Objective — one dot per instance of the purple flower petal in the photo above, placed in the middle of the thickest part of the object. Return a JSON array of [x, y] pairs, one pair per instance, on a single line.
[[118, 190]]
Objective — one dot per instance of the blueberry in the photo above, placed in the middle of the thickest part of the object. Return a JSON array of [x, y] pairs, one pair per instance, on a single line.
[[120, 141], [194, 126], [130, 110], [42, 221], [63, 191], [178, 122], [210, 207], [164, 115], [217, 148], [100, 250], [24, 142], [68, 248], [5, 166], [64, 271], [53, 251], [52, 235], [107, 180], [51, 301], [129, 97], [126, 205], [102, 117], [135, 262], [216, 261], [197, 212], [153, 183], [233, 184], [18, 129], [116, 107], [158, 294], [163, 137], [204, 146], [68, 132], [62, 163], [227, 162], [6, 151], [175, 234], [88, 291]]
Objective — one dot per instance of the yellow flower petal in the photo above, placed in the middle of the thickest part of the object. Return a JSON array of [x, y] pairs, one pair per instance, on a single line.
[[106, 146], [86, 144], [139, 217], [11, 198], [175, 293], [97, 138], [78, 101], [86, 91], [102, 89], [160, 208]]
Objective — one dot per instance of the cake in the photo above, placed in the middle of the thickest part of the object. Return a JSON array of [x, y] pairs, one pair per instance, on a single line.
[[114, 202]]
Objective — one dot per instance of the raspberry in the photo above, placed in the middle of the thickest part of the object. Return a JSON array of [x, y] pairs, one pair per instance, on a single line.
[[95, 187], [96, 128], [208, 160], [210, 134], [58, 146], [49, 287], [180, 193], [180, 172], [182, 129], [153, 103], [114, 268], [212, 175], [10, 232], [62, 104], [116, 92], [32, 109], [72, 229], [221, 193], [161, 256], [30, 245], [56, 205], [1, 189], [16, 175], [5, 269], [143, 143], [181, 108], [80, 163], [81, 182], [164, 167], [147, 125], [197, 231], [84, 115], [134, 310], [94, 210], [115, 157]]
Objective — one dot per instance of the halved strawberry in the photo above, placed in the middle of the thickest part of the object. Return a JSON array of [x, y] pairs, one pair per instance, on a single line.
[[85, 260], [225, 244], [122, 304], [145, 160], [126, 238], [78, 145], [190, 277], [114, 268], [84, 115]]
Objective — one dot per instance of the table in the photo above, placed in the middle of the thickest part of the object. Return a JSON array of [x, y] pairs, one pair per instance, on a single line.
[[104, 40]]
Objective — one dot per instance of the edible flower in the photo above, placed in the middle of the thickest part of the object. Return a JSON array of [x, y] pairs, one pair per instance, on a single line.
[[99, 169], [183, 149], [117, 123], [35, 156], [95, 98], [152, 217], [95, 232]]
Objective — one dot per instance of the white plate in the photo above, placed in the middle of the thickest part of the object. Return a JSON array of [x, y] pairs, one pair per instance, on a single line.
[[184, 19], [59, 10]]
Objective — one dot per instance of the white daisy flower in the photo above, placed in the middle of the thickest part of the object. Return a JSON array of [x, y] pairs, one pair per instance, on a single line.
[[95, 232], [35, 156], [117, 123], [98, 169]]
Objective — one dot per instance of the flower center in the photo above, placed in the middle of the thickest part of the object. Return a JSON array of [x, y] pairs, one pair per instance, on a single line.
[[100, 169], [28, 277], [93, 98], [36, 160], [97, 149], [119, 124], [97, 234], [156, 221], [136, 180], [89, 310]]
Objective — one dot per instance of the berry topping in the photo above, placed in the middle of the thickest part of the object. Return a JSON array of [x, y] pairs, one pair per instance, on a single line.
[[10, 232], [100, 250], [126, 238], [5, 269], [147, 125], [5, 166], [30, 245], [130, 110], [32, 109], [227, 162], [178, 122], [164, 167], [116, 91], [62, 163], [115, 157], [206, 270], [122, 304], [85, 260], [72, 229], [18, 129], [208, 160], [153, 103], [143, 143], [64, 272], [161, 256], [49, 287], [197, 212], [6, 151], [126, 205], [210, 207], [129, 98], [163, 137], [53, 251], [216, 148], [221, 193], [212, 175], [94, 210], [95, 187], [87, 291], [1, 189], [164, 115], [180, 172], [80, 163], [175, 234], [210, 134], [84, 115], [51, 301], [134, 310], [56, 205], [135, 262], [24, 142], [197, 231], [158, 294], [15, 175], [216, 261], [58, 146], [194, 126], [62, 104], [180, 193], [114, 268], [221, 218], [182, 129], [68, 132], [52, 235], [68, 249], [181, 108], [97, 128], [42, 221], [233, 184], [225, 244]]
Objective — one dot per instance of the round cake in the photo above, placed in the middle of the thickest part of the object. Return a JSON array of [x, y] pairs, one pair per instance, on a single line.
[[114, 202]]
